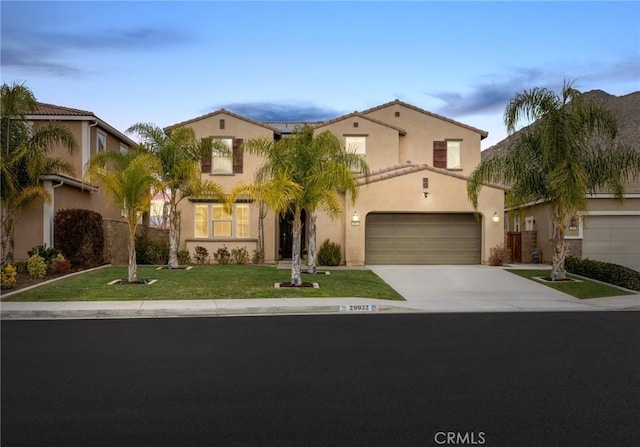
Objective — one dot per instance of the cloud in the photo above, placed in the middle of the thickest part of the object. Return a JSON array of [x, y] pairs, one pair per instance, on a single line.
[[283, 111], [45, 51], [493, 92]]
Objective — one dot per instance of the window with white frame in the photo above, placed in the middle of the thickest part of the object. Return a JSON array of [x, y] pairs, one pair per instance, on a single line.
[[221, 221], [516, 223], [202, 221], [453, 154], [222, 162], [101, 142], [528, 223], [356, 144], [214, 220], [242, 220]]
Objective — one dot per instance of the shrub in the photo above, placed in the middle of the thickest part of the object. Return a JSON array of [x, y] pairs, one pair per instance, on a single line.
[[37, 266], [222, 255], [201, 255], [258, 257], [184, 258], [615, 274], [80, 237], [498, 255], [60, 265], [21, 267], [48, 254], [329, 253], [151, 252], [239, 255], [8, 276]]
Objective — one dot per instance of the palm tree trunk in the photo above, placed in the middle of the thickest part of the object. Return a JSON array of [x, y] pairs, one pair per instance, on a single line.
[[133, 266], [311, 244], [296, 259], [262, 213], [174, 237], [559, 251], [8, 235]]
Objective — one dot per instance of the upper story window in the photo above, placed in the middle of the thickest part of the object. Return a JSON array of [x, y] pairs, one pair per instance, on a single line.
[[447, 154], [357, 144], [229, 161], [222, 163], [101, 142]]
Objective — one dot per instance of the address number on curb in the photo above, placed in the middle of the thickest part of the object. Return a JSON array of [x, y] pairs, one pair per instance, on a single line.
[[359, 308]]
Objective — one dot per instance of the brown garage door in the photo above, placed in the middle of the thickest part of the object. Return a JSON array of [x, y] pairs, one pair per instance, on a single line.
[[401, 238]]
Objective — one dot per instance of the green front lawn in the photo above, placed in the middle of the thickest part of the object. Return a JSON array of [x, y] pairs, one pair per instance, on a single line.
[[208, 282], [583, 289]]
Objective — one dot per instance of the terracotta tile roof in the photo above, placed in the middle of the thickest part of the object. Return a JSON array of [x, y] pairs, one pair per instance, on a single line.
[[50, 109], [360, 115], [408, 168], [483, 133], [217, 112]]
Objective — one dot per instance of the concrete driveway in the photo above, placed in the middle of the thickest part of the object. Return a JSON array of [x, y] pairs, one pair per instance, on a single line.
[[447, 288]]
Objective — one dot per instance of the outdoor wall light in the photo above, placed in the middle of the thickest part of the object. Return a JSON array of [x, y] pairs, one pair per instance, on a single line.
[[496, 218], [355, 219], [426, 194]]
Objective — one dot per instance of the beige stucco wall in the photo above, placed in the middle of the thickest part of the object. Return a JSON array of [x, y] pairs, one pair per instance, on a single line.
[[234, 128], [422, 130], [542, 225], [405, 194], [382, 143]]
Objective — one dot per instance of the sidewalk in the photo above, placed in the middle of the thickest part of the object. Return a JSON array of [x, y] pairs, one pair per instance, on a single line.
[[427, 289]]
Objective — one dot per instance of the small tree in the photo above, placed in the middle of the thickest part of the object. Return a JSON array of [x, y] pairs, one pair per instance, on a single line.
[[130, 181]]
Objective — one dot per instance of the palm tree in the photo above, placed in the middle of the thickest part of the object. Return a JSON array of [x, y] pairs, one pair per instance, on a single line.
[[323, 171], [130, 181], [25, 159], [569, 151], [179, 153]]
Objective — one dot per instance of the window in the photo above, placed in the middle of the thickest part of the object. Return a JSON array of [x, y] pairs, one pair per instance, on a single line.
[[102, 142], [529, 222], [221, 221], [242, 220], [124, 148], [453, 155], [221, 123], [446, 154], [356, 144], [516, 223], [202, 221], [223, 224], [222, 163]]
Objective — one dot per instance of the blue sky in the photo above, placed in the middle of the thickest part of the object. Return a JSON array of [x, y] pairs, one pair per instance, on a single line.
[[166, 62]]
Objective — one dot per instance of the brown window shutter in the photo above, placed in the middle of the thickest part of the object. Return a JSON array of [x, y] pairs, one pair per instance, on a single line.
[[440, 154], [237, 156], [205, 164]]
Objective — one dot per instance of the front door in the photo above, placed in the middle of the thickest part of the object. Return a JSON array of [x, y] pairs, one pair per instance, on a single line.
[[286, 234]]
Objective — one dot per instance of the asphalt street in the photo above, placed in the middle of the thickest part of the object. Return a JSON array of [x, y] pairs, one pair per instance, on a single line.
[[494, 379]]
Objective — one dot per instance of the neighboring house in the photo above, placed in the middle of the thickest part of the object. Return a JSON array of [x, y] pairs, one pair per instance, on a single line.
[[607, 231], [411, 209], [92, 135]]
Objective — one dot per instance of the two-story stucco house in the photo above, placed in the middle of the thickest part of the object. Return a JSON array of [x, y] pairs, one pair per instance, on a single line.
[[411, 209], [92, 135]]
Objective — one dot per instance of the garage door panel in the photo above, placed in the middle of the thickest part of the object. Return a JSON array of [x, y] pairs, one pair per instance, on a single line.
[[422, 239], [613, 239]]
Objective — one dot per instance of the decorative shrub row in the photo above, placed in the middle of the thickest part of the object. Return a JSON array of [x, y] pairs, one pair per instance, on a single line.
[[604, 271], [79, 236], [238, 255]]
